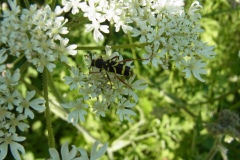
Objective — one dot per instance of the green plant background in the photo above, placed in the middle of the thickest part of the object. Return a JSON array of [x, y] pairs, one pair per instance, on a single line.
[[172, 112]]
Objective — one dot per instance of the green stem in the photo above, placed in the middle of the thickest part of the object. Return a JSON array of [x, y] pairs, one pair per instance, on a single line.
[[223, 152], [141, 45], [18, 59], [53, 5], [193, 143], [134, 56], [54, 89], [27, 4], [51, 140], [215, 148], [24, 67]]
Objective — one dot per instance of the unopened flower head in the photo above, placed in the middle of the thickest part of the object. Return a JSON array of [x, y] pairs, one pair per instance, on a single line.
[[227, 123]]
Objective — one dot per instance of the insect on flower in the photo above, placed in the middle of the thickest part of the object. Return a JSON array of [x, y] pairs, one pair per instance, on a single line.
[[113, 66]]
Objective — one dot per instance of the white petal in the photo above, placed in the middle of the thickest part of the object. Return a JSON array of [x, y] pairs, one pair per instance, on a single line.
[[54, 154]]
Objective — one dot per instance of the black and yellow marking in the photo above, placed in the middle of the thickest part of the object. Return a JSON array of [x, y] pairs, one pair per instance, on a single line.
[[112, 66]]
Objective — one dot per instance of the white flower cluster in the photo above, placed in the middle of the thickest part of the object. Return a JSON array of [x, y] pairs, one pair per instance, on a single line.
[[107, 88], [32, 33], [99, 11], [73, 154], [36, 34], [172, 33], [14, 110]]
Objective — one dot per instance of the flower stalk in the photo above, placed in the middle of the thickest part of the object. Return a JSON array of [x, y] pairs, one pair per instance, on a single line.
[[51, 141]]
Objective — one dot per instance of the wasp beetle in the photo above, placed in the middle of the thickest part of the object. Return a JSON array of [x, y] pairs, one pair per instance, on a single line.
[[113, 66]]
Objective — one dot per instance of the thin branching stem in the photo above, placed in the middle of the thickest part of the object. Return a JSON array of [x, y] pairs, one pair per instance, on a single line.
[[215, 148]]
